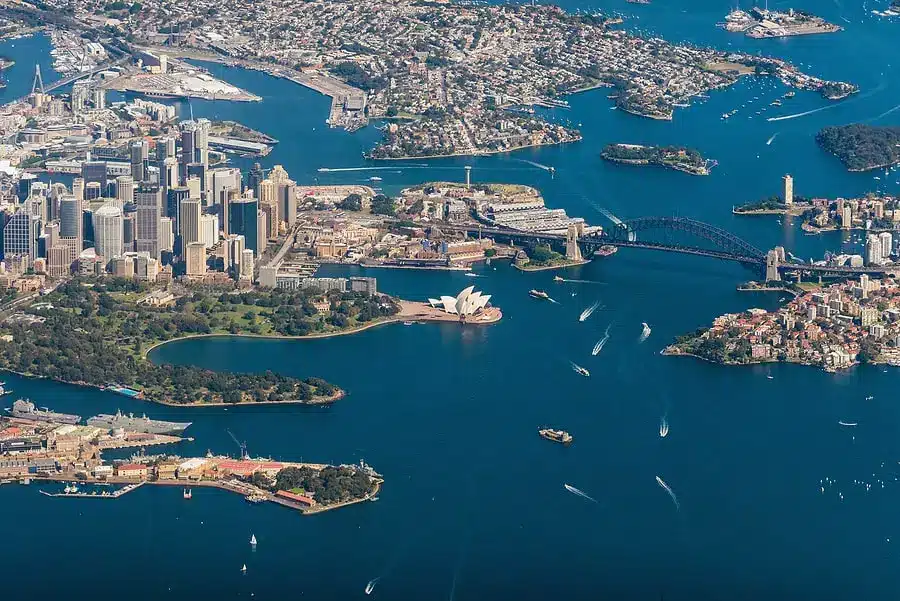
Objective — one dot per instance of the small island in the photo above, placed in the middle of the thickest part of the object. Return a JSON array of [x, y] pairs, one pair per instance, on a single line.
[[679, 158], [98, 333], [862, 147], [543, 258], [764, 23]]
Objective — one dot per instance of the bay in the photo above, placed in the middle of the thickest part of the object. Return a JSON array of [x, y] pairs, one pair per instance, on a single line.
[[474, 505]]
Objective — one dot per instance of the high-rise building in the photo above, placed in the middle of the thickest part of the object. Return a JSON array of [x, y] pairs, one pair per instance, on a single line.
[[195, 259], [189, 221], [887, 244], [188, 144], [124, 190], [255, 177], [174, 198], [78, 187], [98, 97], [109, 231], [788, 190], [92, 191], [268, 202], [58, 263], [140, 161], [846, 217], [246, 271], [18, 237], [94, 171], [234, 246], [209, 230], [128, 231], [168, 173], [71, 225], [197, 170], [165, 148], [149, 210], [262, 232], [194, 187], [242, 220], [81, 95], [202, 154], [166, 234], [287, 202], [874, 253]]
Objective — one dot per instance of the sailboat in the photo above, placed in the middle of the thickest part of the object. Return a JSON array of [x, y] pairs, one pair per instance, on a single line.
[[244, 569], [252, 540], [187, 493]]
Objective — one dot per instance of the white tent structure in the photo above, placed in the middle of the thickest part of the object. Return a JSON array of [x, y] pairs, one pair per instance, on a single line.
[[468, 302]]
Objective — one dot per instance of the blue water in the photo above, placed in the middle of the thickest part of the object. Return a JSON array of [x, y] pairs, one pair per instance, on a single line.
[[474, 505]]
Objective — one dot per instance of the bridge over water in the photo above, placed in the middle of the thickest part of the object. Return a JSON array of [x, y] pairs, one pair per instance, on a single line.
[[677, 235]]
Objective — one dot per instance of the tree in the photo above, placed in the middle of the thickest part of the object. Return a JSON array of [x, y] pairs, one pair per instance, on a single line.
[[352, 202]]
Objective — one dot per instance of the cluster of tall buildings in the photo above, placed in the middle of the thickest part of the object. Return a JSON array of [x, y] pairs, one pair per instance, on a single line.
[[879, 248], [153, 206]]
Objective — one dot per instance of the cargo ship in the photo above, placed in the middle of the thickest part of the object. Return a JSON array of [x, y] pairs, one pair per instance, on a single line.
[[539, 294], [606, 250], [25, 409], [560, 436], [141, 424]]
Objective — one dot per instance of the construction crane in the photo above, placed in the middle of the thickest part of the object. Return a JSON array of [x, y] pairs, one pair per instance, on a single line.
[[242, 445]]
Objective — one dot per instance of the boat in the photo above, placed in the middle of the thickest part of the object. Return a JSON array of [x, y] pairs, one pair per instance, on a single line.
[[539, 294], [581, 370], [407, 323], [371, 586], [4, 391], [141, 424], [253, 540], [790, 94], [374, 178], [556, 435], [255, 497], [606, 250], [187, 493], [556, 278], [373, 499], [244, 568], [25, 409]]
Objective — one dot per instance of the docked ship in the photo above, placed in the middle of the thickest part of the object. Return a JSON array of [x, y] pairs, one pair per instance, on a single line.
[[606, 250], [142, 424], [25, 409], [560, 436], [539, 294]]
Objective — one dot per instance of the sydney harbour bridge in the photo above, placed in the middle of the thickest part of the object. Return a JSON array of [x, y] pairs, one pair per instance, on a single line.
[[675, 235]]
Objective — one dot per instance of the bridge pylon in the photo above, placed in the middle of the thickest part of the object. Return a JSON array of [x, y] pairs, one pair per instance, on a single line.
[[573, 251], [38, 84], [774, 258]]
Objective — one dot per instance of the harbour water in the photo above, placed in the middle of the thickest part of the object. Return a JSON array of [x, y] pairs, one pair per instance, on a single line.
[[474, 505]]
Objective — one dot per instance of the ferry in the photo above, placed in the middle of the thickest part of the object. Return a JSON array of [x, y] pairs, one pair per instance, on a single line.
[[560, 436], [539, 294], [606, 250], [581, 370], [556, 278], [374, 178]]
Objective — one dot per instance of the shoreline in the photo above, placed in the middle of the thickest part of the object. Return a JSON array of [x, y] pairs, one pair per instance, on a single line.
[[471, 154], [525, 268]]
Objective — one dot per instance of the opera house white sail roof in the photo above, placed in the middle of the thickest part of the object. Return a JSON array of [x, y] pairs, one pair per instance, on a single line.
[[467, 302]]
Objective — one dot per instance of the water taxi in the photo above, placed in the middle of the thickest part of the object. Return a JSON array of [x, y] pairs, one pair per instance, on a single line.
[[539, 294], [560, 436]]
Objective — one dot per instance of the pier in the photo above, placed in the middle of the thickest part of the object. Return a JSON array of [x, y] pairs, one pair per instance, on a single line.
[[94, 495]]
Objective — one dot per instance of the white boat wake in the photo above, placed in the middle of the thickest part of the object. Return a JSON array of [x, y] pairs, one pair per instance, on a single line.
[[538, 165], [772, 139], [579, 370], [645, 332], [601, 343], [580, 493], [663, 428], [666, 487], [371, 585], [588, 312], [848, 424], [340, 169]]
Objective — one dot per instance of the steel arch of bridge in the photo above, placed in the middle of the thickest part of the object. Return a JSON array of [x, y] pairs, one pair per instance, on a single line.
[[727, 245]]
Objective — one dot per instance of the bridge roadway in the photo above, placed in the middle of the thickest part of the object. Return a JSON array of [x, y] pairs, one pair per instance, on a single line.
[[76, 76], [756, 260]]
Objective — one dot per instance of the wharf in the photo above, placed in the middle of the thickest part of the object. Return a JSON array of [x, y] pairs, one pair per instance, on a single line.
[[83, 495]]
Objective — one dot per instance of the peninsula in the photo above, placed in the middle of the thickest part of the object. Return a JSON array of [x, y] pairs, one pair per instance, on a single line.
[[678, 158], [833, 328], [862, 147], [452, 71], [96, 333]]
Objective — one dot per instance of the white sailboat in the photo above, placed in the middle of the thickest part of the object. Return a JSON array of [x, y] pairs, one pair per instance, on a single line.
[[252, 540], [244, 568]]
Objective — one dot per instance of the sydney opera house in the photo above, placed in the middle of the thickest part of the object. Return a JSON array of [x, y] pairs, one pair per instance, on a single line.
[[469, 305]]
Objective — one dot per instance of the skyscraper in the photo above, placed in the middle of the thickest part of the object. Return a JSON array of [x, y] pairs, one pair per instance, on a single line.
[[242, 220], [788, 190], [189, 221], [209, 230], [149, 210], [71, 225], [108, 231], [202, 152], [18, 238], [94, 171], [268, 201], [174, 199], [78, 187], [140, 161], [166, 234], [255, 178], [124, 190], [188, 144], [195, 259], [93, 191], [246, 270]]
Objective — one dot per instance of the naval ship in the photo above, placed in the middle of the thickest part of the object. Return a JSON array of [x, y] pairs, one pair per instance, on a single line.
[[137, 424], [25, 409]]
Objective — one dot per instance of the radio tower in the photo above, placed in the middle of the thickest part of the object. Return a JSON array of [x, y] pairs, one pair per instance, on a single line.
[[38, 84]]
